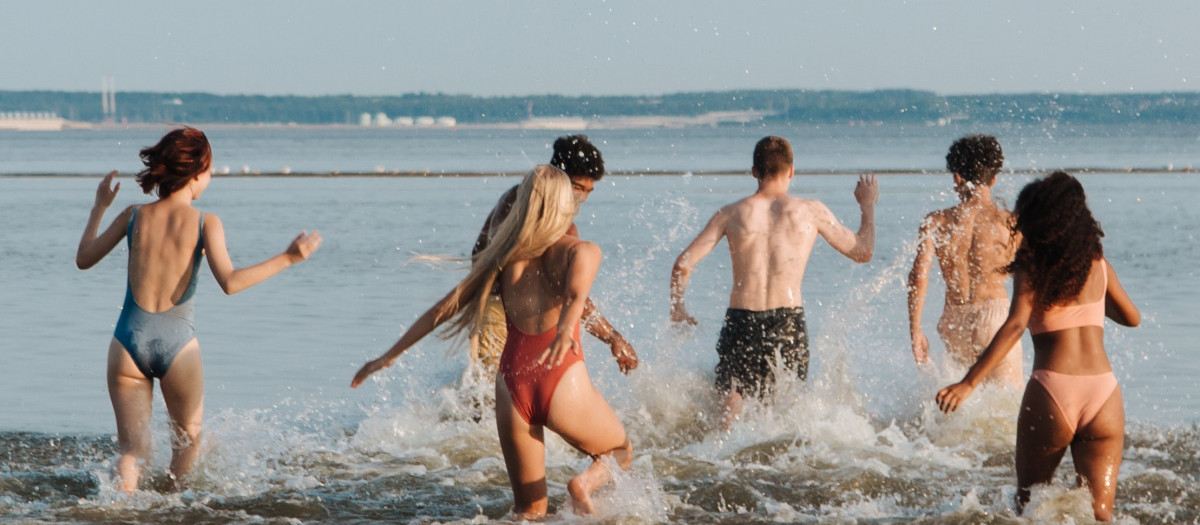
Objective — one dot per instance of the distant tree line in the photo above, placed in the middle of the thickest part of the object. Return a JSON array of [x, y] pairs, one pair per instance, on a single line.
[[798, 105]]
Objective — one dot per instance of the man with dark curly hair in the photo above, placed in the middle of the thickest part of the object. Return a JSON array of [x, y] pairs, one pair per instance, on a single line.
[[582, 162], [973, 242]]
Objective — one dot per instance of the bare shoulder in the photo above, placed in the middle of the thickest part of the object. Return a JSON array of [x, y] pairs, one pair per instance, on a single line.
[[803, 209], [570, 248], [938, 218], [582, 248]]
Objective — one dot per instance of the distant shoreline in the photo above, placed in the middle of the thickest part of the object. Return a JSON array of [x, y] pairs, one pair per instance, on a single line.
[[655, 173]]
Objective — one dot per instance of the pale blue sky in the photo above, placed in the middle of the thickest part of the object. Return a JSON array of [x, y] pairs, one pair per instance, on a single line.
[[600, 47]]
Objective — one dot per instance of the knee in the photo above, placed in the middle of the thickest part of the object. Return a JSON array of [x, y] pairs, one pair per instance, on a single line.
[[624, 454], [187, 433]]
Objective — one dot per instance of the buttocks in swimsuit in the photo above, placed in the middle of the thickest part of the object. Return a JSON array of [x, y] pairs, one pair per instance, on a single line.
[[531, 385], [1079, 397], [154, 339]]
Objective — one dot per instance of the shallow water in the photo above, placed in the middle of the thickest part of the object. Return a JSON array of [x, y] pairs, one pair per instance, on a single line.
[[287, 441]]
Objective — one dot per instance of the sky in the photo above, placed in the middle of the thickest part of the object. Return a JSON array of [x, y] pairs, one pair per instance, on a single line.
[[594, 47]]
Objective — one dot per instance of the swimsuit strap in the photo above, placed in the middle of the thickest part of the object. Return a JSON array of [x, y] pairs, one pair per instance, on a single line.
[[129, 227]]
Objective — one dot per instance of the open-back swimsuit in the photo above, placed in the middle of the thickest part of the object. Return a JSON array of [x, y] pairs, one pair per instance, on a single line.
[[1079, 397], [531, 385], [154, 339]]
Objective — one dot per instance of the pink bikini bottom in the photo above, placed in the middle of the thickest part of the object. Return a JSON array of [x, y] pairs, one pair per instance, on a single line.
[[1079, 398]]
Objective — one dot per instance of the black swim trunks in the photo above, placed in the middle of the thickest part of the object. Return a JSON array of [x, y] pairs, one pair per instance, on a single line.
[[751, 342]]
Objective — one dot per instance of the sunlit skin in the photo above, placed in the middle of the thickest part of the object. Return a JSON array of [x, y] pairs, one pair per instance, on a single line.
[[1043, 435], [973, 242], [167, 231], [544, 292], [593, 321], [771, 236]]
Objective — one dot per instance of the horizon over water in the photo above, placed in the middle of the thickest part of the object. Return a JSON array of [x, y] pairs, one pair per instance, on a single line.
[[287, 441]]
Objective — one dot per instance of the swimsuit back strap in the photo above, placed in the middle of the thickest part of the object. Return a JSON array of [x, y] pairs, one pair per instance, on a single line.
[[129, 227]]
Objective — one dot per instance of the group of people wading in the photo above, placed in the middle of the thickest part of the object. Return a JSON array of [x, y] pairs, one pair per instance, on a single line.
[[525, 301]]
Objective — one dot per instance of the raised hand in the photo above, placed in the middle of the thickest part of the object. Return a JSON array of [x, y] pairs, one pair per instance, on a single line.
[[107, 192], [866, 192], [304, 245]]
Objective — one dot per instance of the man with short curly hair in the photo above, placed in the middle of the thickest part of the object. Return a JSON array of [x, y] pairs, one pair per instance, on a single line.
[[973, 242]]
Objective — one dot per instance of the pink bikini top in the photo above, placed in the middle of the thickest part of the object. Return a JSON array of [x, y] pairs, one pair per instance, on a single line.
[[1063, 317]]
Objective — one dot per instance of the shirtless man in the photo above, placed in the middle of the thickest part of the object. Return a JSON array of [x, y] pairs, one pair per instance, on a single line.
[[582, 162], [973, 242], [771, 235]]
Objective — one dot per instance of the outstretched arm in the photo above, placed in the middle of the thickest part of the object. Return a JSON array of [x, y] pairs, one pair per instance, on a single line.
[[424, 325], [1117, 304], [681, 273], [951, 397], [860, 246], [93, 247], [597, 325], [233, 281], [918, 282], [583, 261]]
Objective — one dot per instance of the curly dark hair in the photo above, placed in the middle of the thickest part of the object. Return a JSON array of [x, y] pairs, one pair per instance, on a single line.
[[577, 156], [976, 158], [1062, 239], [179, 156]]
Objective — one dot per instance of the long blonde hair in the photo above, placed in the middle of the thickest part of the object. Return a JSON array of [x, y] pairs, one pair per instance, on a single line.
[[541, 215]]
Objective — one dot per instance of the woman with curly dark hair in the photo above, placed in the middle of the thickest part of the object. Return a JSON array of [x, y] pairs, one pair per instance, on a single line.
[[1064, 288]]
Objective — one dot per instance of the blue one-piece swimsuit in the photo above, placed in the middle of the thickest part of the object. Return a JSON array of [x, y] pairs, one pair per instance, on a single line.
[[154, 339]]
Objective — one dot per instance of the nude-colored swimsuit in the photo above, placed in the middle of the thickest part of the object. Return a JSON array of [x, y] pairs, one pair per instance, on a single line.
[[1079, 397]]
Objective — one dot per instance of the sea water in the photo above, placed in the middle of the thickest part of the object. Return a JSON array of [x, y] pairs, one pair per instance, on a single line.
[[286, 440]]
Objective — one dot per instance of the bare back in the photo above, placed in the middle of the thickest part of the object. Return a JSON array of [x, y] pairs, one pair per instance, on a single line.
[[163, 241], [534, 290], [973, 243], [770, 241]]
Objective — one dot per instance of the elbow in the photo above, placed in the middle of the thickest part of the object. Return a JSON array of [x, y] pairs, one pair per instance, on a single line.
[[83, 262], [1134, 319], [682, 269], [864, 256]]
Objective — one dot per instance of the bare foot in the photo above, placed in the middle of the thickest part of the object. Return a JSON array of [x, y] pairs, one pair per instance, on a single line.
[[581, 495]]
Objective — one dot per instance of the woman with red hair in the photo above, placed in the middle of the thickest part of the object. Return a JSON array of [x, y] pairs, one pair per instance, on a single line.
[[154, 336]]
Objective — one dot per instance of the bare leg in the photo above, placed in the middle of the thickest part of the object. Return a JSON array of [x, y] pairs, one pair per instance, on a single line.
[[132, 395], [583, 418], [524, 456], [1097, 454], [183, 393], [734, 405], [1042, 439]]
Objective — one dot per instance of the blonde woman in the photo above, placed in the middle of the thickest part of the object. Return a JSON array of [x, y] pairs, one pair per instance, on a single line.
[[544, 277]]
